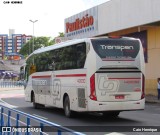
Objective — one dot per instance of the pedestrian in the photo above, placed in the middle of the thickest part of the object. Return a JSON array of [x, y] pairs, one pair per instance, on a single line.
[[158, 87]]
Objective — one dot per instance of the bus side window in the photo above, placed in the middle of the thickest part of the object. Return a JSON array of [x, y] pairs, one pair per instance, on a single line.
[[55, 59], [81, 55]]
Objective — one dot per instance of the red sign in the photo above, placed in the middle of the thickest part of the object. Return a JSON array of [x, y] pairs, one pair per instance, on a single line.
[[86, 21]]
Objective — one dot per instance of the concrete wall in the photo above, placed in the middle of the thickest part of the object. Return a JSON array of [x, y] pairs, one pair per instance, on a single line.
[[121, 14], [153, 65]]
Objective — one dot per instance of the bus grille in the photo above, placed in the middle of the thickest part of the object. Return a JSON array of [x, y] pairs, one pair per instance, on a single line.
[[81, 98]]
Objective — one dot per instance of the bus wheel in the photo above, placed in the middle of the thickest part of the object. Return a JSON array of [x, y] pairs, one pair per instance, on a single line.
[[67, 111], [111, 114], [35, 105]]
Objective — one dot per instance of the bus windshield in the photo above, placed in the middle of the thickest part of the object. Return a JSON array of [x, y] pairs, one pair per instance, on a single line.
[[109, 49]]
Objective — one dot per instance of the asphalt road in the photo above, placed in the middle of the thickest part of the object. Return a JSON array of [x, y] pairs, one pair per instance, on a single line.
[[95, 123]]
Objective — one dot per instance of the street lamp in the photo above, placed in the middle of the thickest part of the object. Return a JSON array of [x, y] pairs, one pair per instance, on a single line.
[[33, 33]]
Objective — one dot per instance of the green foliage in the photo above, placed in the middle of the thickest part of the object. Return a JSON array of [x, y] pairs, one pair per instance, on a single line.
[[61, 34], [38, 43]]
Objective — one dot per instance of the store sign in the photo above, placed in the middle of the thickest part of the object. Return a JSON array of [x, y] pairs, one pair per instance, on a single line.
[[84, 24], [86, 21]]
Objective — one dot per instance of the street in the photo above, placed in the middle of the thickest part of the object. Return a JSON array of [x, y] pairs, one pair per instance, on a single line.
[[93, 122], [98, 56]]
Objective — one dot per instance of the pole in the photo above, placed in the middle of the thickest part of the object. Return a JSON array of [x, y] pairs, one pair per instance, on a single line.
[[33, 33], [33, 37], [29, 49]]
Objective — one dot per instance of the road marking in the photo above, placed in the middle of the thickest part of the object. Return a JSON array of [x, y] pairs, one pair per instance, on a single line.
[[115, 133], [3, 103], [40, 116]]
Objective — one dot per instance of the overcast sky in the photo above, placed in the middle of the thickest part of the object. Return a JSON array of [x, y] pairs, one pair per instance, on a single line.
[[49, 13]]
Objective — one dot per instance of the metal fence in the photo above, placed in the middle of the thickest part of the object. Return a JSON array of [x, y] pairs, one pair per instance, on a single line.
[[14, 122], [11, 84]]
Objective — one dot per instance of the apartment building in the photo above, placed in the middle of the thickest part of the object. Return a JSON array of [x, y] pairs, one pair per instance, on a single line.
[[12, 43]]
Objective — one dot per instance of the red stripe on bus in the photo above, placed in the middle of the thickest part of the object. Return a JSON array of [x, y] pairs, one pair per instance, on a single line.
[[125, 78], [72, 75], [44, 76]]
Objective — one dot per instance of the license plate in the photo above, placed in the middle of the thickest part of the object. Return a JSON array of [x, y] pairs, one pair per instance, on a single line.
[[119, 97]]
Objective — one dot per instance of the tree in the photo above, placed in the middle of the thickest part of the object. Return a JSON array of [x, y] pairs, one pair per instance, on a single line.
[[38, 43], [61, 34]]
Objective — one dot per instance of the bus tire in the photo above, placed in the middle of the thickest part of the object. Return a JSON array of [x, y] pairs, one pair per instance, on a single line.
[[35, 105], [66, 106], [111, 114]]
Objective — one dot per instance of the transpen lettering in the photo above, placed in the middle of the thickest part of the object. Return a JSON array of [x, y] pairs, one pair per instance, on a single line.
[[119, 47]]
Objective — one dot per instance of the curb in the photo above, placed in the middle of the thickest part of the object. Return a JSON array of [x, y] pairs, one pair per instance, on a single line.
[[152, 99], [154, 102]]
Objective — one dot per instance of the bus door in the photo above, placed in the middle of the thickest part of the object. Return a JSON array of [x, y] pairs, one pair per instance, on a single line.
[[54, 94], [48, 89], [56, 90], [52, 91]]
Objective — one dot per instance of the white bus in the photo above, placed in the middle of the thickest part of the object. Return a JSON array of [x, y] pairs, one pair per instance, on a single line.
[[101, 74]]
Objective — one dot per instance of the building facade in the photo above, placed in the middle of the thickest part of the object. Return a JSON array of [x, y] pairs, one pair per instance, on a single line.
[[132, 18], [12, 43]]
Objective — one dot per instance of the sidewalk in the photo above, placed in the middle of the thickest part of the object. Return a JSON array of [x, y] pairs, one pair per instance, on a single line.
[[152, 99], [11, 88]]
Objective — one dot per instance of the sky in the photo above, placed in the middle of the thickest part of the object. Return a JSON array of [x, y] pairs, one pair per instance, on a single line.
[[49, 13]]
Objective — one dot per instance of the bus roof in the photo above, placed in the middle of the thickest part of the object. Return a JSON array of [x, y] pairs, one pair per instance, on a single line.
[[56, 46]]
